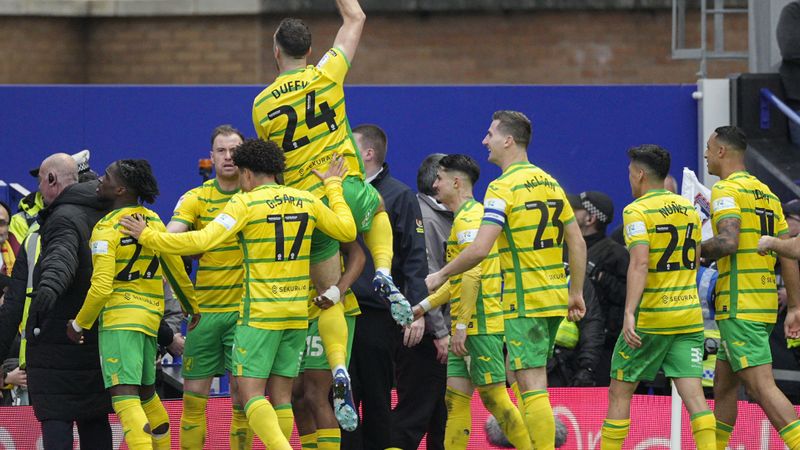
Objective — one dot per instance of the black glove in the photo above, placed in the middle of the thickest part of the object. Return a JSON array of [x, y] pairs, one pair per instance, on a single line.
[[43, 299], [583, 378]]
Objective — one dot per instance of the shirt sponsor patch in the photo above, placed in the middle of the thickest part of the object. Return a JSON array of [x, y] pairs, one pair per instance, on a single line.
[[330, 53], [466, 236], [100, 247], [226, 221], [635, 229], [724, 203], [495, 203]]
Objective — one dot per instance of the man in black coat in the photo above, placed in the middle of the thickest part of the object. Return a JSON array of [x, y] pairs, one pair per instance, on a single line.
[[64, 379], [606, 268], [381, 349]]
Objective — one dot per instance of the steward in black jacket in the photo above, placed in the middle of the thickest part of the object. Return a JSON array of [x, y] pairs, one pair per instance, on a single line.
[[64, 379]]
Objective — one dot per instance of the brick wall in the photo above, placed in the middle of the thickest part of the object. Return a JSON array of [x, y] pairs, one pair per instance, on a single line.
[[543, 47]]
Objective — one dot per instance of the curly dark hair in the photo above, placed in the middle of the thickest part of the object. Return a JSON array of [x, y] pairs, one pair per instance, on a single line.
[[654, 158], [262, 157], [137, 176], [294, 37], [461, 163]]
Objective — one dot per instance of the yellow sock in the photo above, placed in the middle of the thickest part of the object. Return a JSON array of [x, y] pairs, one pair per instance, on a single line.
[[703, 429], [333, 331], [380, 241], [791, 435], [264, 422], [158, 418], [134, 423], [241, 435], [329, 438], [285, 419], [495, 398], [308, 441], [518, 396], [539, 419], [723, 434], [193, 421], [459, 419], [613, 433]]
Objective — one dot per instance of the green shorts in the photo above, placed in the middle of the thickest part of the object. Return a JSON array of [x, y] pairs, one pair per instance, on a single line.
[[127, 357], [745, 343], [485, 363], [363, 200], [207, 351], [681, 356], [260, 353], [530, 341], [315, 357]]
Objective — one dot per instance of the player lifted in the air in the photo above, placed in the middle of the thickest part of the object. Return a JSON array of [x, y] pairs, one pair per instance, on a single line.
[[476, 348], [663, 324], [303, 111], [127, 295]]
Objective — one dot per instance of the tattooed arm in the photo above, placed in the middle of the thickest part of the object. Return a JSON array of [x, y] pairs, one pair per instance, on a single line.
[[725, 242]]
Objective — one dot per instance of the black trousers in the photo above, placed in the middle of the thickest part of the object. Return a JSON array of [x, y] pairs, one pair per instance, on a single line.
[[421, 385], [375, 342], [94, 433]]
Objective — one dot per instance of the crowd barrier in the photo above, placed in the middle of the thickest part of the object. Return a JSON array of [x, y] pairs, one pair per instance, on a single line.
[[581, 409]]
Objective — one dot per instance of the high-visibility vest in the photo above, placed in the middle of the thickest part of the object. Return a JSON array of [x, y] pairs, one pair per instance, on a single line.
[[33, 246]]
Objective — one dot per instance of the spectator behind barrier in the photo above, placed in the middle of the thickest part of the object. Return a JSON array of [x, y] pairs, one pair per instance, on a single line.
[[606, 268]]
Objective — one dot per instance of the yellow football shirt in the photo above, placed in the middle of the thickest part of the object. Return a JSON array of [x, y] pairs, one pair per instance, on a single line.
[[533, 210], [273, 225], [303, 111], [218, 284], [669, 225], [746, 284], [127, 290], [488, 313]]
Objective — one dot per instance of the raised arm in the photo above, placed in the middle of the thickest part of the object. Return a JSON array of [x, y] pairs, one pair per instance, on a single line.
[[349, 34]]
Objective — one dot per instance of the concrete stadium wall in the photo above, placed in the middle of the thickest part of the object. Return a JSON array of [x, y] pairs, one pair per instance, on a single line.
[[522, 47], [580, 133]]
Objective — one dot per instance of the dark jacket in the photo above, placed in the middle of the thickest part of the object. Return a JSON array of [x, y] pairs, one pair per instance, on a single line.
[[64, 379], [607, 269], [437, 221], [409, 264]]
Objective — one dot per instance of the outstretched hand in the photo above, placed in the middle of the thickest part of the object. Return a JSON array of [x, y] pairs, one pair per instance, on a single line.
[[335, 169], [132, 225]]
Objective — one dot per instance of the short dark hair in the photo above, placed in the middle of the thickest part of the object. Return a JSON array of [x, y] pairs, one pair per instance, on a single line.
[[461, 163], [137, 176], [374, 136], [653, 158], [733, 137], [294, 37], [426, 174], [516, 125], [225, 130], [262, 157]]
